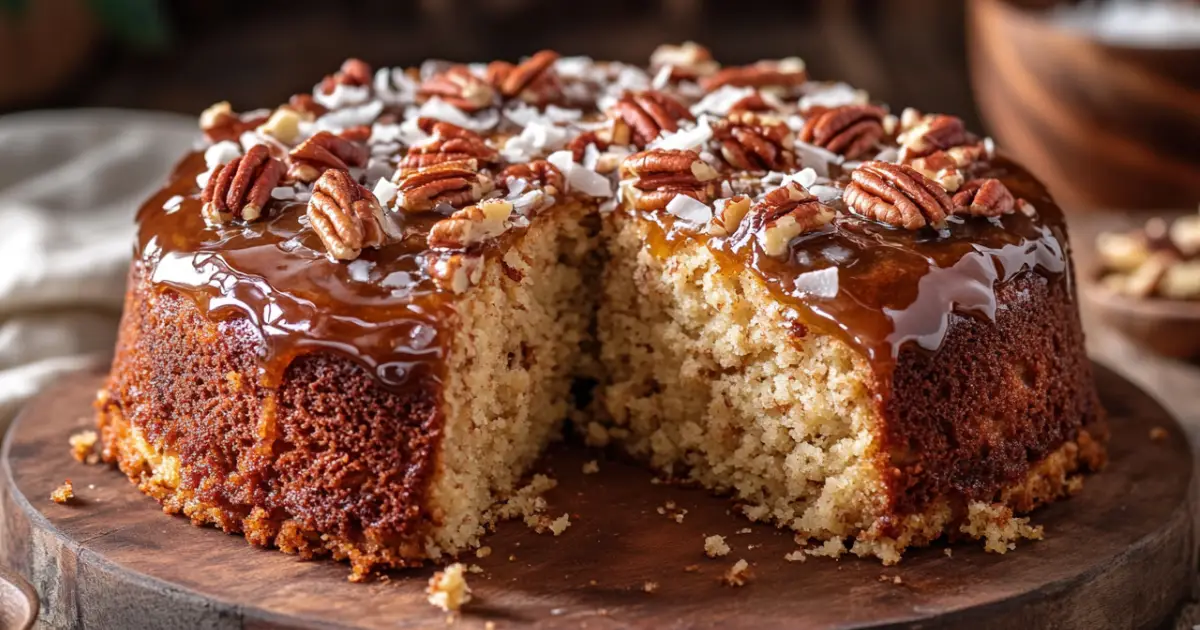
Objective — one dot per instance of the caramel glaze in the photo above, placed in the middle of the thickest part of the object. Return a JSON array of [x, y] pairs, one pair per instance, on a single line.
[[897, 287]]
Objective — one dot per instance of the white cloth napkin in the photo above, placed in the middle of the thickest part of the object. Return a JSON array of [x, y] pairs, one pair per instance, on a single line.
[[70, 183]]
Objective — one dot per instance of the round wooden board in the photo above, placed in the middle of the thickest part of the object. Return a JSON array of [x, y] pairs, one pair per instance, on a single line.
[[1119, 555]]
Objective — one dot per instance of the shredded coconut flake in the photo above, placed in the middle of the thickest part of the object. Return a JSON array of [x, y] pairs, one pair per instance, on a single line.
[[720, 100], [662, 78], [385, 191], [578, 178], [342, 96], [283, 193], [820, 283], [394, 86], [441, 110], [832, 95], [692, 138], [172, 204], [816, 158], [690, 209], [222, 152], [338, 120]]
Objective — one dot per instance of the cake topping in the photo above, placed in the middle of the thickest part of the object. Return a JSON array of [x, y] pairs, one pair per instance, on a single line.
[[471, 225], [922, 135], [447, 143], [661, 174], [353, 73], [984, 198], [538, 173], [241, 186], [639, 117], [459, 87], [785, 213], [687, 61], [323, 151], [532, 80], [851, 130], [345, 216], [782, 73], [452, 183], [898, 195], [755, 142], [728, 214]]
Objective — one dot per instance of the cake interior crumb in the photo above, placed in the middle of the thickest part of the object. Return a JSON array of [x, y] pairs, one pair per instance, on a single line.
[[83, 446], [738, 574], [715, 546], [63, 493], [448, 589]]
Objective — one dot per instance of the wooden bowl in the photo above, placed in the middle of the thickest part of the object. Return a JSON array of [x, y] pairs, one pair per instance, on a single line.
[[1104, 125], [18, 601], [1167, 327]]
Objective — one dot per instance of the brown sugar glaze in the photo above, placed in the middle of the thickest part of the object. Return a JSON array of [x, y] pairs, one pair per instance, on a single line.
[[895, 286]]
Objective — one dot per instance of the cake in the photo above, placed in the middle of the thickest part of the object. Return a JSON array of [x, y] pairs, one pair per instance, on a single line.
[[354, 321]]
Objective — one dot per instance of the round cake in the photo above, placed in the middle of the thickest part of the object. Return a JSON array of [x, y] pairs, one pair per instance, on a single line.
[[356, 320]]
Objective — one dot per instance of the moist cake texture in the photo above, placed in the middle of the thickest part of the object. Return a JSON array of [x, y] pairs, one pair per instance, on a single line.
[[354, 321]]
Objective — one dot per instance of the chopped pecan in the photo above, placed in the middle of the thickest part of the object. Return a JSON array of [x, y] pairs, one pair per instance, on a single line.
[[785, 213], [456, 272], [451, 183], [307, 105], [753, 103], [850, 130], [642, 116], [532, 80], [538, 173], [898, 195], [219, 122], [661, 174], [345, 216], [578, 145], [354, 72], [323, 151], [946, 167], [728, 214], [243, 186], [923, 135], [448, 143], [471, 225], [689, 61], [460, 88], [984, 198], [283, 125], [785, 73], [755, 142]]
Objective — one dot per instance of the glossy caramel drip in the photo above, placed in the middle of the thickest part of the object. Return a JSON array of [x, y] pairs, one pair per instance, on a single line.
[[380, 310], [896, 286]]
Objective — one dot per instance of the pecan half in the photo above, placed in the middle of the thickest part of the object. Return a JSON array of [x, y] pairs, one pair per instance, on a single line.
[[753, 142], [448, 143], [984, 198], [538, 173], [898, 195], [460, 88], [752, 103], [578, 145], [346, 216], [324, 151], [785, 213], [689, 61], [785, 73], [307, 105], [451, 183], [639, 117], [661, 174], [471, 225], [850, 130], [532, 80], [354, 72], [923, 135], [243, 186]]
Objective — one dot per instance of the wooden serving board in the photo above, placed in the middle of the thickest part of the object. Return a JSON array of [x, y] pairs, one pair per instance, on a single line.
[[1120, 555]]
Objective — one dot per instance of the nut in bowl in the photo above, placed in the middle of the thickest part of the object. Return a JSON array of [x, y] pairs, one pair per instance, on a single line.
[[1148, 286]]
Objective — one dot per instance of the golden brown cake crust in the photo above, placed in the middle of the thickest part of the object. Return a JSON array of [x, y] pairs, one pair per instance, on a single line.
[[996, 398], [329, 451]]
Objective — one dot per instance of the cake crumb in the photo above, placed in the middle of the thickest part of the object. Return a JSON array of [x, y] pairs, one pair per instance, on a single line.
[[738, 574], [1158, 434], [895, 579], [678, 516], [483, 552], [715, 546], [832, 548], [512, 557], [744, 530], [650, 587], [489, 625], [591, 467], [83, 447], [63, 493], [560, 524], [691, 568], [474, 568], [448, 588], [998, 527], [597, 435], [660, 509], [949, 552], [796, 556]]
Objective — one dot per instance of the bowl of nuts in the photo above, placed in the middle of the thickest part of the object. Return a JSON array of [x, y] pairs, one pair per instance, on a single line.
[[1148, 286]]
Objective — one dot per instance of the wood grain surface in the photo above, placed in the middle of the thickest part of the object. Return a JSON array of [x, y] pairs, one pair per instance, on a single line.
[[1120, 555]]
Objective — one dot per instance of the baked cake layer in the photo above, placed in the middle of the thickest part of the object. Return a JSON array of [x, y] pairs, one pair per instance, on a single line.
[[354, 321]]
